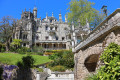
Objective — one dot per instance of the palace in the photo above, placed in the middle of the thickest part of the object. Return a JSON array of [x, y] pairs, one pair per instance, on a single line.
[[48, 32]]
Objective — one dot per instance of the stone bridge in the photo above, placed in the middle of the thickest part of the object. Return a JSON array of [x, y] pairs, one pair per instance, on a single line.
[[88, 51]]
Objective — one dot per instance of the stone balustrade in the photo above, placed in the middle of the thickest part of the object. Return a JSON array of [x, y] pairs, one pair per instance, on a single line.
[[109, 23]]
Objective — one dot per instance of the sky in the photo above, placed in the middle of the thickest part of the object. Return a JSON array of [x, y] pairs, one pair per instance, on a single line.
[[14, 7]]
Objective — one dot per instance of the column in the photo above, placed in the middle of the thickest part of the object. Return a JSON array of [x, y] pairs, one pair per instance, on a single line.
[[52, 45], [58, 45]]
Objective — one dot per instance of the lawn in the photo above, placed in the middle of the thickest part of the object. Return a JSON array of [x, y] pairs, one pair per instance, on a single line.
[[12, 58]]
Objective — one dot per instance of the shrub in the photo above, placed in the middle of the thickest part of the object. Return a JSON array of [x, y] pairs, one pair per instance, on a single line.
[[22, 50], [64, 58], [68, 60], [2, 47], [1, 72], [38, 50], [48, 53], [58, 68]]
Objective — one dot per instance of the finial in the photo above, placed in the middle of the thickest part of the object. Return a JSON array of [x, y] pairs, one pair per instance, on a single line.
[[22, 11], [52, 14], [46, 14], [40, 17], [29, 9], [60, 11]]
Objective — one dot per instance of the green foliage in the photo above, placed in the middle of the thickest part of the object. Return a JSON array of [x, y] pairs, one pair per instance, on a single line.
[[64, 58], [80, 10], [111, 59], [7, 29], [22, 50], [26, 63], [2, 47], [92, 77], [58, 68], [68, 60], [38, 50], [16, 42], [1, 72], [110, 53]]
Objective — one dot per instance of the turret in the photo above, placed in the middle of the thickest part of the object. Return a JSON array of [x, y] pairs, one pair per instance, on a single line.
[[87, 25], [29, 14], [46, 17], [65, 18], [60, 17], [35, 12], [52, 14]]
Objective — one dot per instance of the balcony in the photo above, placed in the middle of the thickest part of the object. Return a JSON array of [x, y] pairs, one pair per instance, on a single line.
[[52, 32]]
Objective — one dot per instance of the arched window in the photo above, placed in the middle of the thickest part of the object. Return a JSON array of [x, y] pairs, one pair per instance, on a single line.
[[46, 28], [37, 37], [25, 36]]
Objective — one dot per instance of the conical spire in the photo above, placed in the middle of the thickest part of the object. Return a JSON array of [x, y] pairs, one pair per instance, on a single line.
[[52, 14], [60, 17]]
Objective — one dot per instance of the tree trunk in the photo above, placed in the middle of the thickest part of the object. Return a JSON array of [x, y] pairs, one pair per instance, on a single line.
[[7, 46]]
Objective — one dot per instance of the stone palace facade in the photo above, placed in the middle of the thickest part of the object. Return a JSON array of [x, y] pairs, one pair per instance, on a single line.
[[47, 33]]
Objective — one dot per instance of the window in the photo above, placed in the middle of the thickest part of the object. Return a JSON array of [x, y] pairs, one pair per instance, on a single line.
[[50, 21], [37, 37], [63, 38], [46, 28], [56, 38], [36, 28], [25, 36], [54, 45], [46, 37], [51, 28], [24, 44], [56, 28]]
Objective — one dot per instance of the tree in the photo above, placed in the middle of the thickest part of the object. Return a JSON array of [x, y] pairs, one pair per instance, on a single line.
[[16, 43], [80, 10], [7, 29]]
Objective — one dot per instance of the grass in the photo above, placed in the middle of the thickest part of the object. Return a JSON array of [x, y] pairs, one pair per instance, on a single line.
[[12, 58]]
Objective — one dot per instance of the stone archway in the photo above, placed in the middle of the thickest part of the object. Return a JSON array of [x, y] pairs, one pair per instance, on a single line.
[[91, 62]]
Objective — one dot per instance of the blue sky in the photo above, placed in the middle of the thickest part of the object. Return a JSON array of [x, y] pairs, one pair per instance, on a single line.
[[14, 7]]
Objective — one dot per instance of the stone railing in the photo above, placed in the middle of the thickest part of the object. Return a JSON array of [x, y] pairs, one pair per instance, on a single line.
[[47, 41], [105, 26], [61, 76]]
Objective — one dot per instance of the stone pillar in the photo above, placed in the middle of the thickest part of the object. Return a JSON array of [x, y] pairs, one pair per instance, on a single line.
[[74, 40], [52, 45], [58, 46], [38, 77]]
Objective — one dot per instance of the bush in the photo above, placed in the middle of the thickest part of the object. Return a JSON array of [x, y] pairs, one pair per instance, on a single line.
[[64, 58], [38, 50], [58, 68], [22, 50], [1, 72], [2, 47], [48, 53]]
